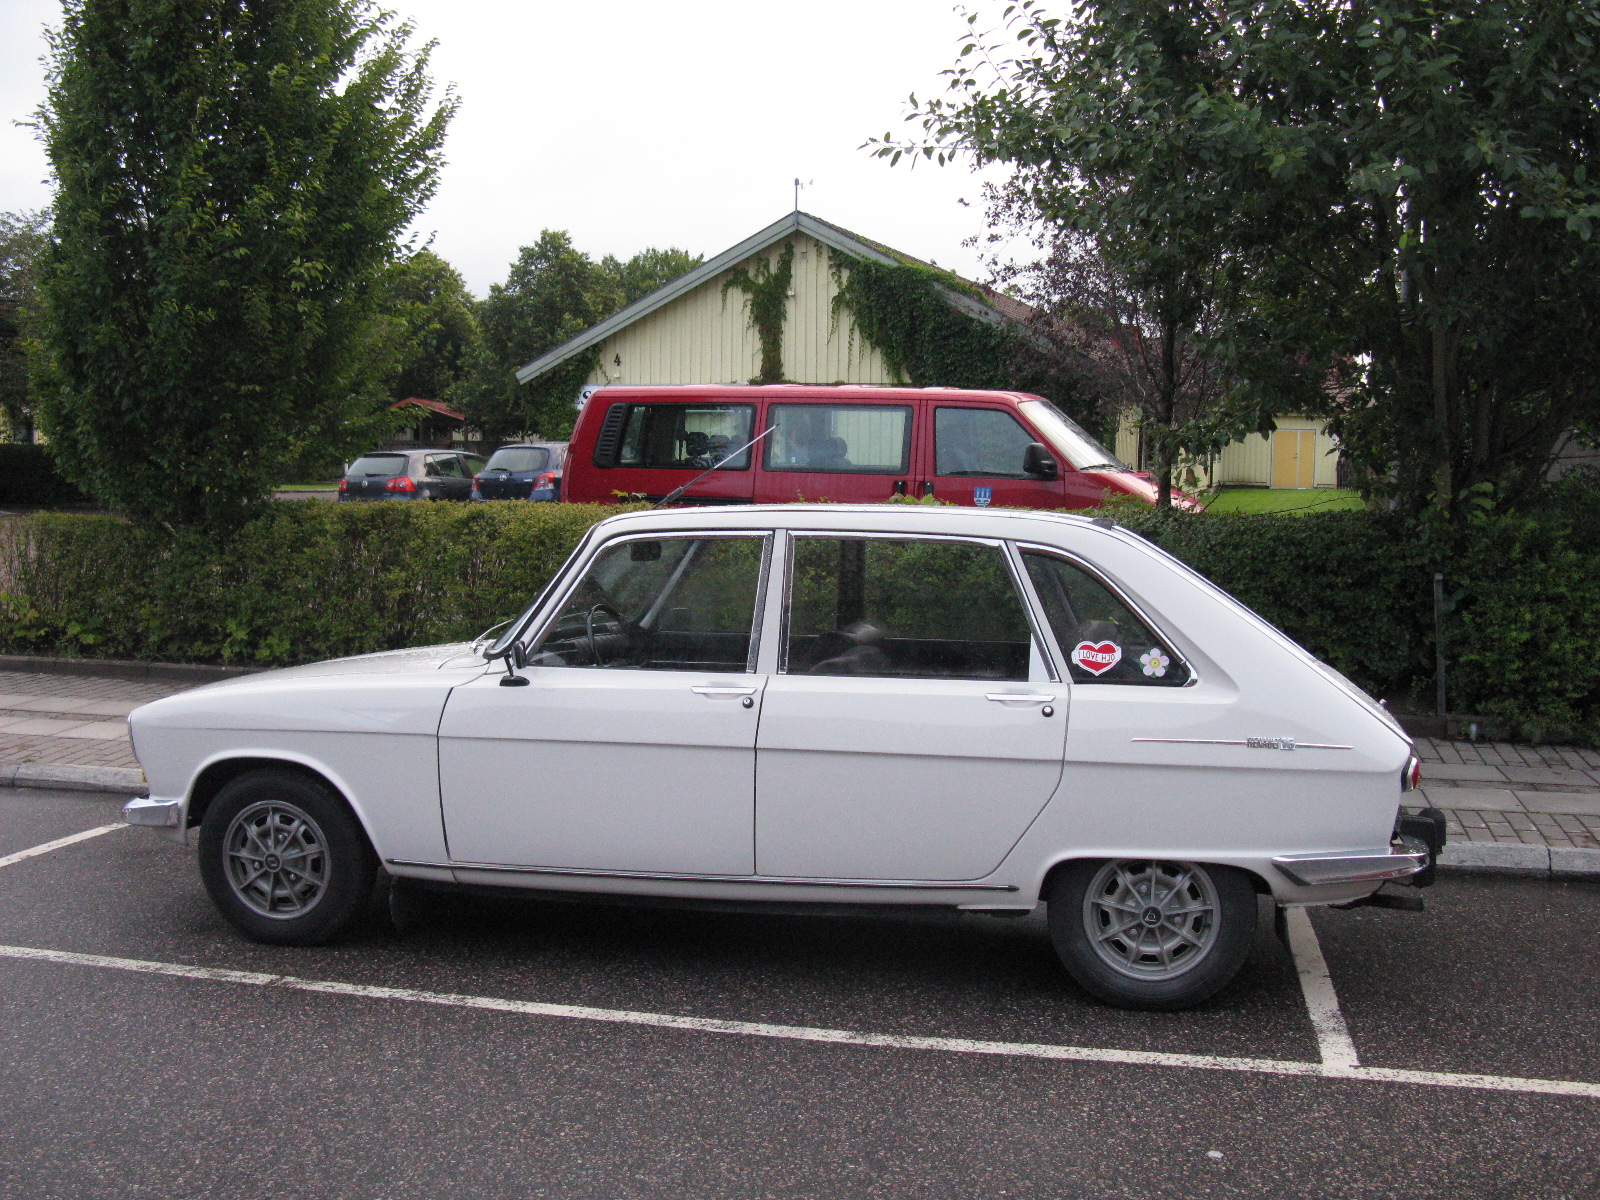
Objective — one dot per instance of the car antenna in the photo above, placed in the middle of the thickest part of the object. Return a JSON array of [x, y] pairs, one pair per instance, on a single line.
[[676, 492]]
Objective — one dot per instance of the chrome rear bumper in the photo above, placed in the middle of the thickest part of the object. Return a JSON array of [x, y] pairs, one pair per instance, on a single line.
[[1372, 866]]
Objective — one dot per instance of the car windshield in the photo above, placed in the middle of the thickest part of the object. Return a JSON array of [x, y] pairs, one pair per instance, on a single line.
[[519, 458], [383, 466], [1070, 439]]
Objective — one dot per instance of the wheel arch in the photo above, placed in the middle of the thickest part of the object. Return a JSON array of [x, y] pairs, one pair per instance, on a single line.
[[216, 775], [1261, 886]]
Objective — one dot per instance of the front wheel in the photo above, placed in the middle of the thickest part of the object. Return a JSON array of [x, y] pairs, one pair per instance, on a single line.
[[1149, 934], [284, 859]]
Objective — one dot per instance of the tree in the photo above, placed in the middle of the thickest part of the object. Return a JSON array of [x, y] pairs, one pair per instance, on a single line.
[[22, 240], [432, 326], [1392, 195], [233, 177], [552, 293]]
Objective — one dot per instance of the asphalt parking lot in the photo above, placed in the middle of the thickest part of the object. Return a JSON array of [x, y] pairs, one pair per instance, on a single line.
[[546, 1048]]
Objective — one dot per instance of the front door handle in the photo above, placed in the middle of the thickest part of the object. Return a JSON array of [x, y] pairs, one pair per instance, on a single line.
[[927, 487], [1018, 698], [724, 691]]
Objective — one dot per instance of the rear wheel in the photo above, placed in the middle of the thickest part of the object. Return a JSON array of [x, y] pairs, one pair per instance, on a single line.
[[1149, 934], [284, 859]]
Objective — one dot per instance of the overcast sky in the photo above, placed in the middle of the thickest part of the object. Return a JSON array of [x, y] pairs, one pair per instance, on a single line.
[[640, 124]]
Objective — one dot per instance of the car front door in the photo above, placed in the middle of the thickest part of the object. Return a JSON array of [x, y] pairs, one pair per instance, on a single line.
[[632, 745], [979, 456], [915, 727]]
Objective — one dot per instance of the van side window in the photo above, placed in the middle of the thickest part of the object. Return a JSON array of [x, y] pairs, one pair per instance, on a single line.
[[851, 438], [1103, 639], [904, 607], [691, 436], [979, 441]]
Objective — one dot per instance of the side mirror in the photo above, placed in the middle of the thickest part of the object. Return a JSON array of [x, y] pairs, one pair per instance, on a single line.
[[1036, 460]]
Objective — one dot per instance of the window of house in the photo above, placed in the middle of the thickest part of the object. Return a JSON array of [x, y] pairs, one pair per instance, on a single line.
[[1103, 639], [904, 607], [851, 438]]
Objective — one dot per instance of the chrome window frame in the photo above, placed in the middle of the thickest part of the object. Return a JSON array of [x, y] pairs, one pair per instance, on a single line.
[[540, 626], [1020, 585], [1122, 595]]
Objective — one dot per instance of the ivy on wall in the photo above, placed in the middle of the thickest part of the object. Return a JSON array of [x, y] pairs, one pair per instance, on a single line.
[[766, 289], [903, 311]]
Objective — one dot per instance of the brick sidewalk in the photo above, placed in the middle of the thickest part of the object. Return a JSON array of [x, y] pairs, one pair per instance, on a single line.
[[1497, 797]]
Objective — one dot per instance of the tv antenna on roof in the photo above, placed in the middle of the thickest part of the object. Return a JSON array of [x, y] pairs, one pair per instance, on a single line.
[[798, 184]]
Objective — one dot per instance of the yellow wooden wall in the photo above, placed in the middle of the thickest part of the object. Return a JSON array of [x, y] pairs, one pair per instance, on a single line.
[[1249, 460], [700, 338]]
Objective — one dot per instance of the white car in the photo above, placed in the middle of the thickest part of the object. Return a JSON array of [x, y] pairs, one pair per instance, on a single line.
[[828, 704]]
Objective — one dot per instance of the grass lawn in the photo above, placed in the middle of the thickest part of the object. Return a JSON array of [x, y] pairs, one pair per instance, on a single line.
[[1283, 500]]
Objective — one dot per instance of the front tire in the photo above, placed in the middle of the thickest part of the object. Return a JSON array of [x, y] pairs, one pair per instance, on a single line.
[[1153, 935], [284, 859]]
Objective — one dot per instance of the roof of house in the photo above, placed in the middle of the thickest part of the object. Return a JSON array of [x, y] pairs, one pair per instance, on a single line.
[[994, 309], [431, 405]]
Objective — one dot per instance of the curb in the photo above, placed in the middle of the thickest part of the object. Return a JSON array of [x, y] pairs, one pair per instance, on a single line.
[[123, 781], [119, 668], [1500, 858]]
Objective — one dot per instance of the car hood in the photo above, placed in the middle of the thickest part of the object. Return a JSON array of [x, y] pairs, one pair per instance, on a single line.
[[385, 662]]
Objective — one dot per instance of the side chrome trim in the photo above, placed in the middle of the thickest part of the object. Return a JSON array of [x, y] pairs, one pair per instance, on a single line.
[[161, 814], [1373, 866], [1253, 743], [896, 884]]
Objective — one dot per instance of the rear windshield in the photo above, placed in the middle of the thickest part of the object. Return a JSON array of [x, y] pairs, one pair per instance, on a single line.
[[385, 466], [519, 458]]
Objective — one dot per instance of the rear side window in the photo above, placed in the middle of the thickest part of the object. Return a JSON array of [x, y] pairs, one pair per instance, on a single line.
[[861, 438], [1104, 640], [904, 607], [519, 458], [979, 441], [380, 466], [688, 436]]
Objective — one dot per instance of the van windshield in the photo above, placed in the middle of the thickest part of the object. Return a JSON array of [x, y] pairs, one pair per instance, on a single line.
[[1069, 439]]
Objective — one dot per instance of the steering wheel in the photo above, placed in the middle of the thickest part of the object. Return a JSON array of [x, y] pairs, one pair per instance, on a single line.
[[588, 628]]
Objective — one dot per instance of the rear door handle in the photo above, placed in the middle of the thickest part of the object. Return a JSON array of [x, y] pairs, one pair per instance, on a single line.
[[1018, 698], [724, 691]]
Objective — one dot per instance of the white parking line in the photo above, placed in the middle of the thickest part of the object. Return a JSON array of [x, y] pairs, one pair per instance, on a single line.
[[1260, 1066], [58, 843], [1316, 985]]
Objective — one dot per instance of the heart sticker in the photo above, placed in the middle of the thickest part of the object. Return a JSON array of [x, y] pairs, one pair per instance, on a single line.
[[1097, 659]]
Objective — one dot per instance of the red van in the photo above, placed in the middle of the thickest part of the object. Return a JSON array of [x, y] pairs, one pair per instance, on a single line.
[[854, 443]]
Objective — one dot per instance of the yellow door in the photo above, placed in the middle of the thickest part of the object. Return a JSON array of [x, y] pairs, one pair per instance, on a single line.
[[1293, 458]]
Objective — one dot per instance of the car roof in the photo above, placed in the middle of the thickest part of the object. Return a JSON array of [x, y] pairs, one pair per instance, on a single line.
[[864, 392]]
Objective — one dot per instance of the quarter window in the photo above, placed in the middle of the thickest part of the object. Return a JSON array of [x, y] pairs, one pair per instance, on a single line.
[[667, 604], [979, 441], [1103, 639], [850, 438], [894, 607], [693, 436]]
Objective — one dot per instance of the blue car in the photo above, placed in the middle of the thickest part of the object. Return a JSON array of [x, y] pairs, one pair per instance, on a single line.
[[522, 471]]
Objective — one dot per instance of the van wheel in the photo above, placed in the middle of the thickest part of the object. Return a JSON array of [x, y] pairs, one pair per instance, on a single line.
[[284, 859], [1147, 934]]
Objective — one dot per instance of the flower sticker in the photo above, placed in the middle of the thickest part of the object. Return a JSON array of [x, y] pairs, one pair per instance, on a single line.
[[1153, 662]]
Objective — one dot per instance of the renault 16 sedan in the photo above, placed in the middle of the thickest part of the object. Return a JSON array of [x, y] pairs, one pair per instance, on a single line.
[[975, 709]]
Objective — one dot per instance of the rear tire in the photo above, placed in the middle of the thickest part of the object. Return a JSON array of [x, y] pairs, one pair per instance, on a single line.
[[1153, 935], [285, 860]]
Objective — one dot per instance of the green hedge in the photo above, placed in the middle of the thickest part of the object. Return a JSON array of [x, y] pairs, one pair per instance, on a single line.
[[28, 475], [315, 580]]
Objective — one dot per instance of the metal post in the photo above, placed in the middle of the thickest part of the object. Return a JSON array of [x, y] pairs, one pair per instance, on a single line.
[[1438, 640]]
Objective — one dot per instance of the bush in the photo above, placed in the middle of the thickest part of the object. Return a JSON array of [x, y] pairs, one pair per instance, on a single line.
[[28, 475], [313, 580]]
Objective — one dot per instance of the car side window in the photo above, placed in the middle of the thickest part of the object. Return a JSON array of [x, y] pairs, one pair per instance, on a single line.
[[664, 604], [979, 441], [904, 607], [1104, 640], [446, 466], [852, 438]]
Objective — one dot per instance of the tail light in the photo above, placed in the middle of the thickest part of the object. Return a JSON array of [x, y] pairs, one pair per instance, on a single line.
[[400, 484], [1411, 777], [547, 480], [344, 486], [477, 481]]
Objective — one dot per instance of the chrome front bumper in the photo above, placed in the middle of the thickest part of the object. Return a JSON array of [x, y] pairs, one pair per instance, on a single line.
[[146, 810], [1373, 866]]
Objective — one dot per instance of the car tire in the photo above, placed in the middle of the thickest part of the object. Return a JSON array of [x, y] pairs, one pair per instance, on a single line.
[[285, 860], [1152, 935]]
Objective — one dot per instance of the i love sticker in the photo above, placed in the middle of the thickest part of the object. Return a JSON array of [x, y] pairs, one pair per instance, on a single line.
[[1097, 658]]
